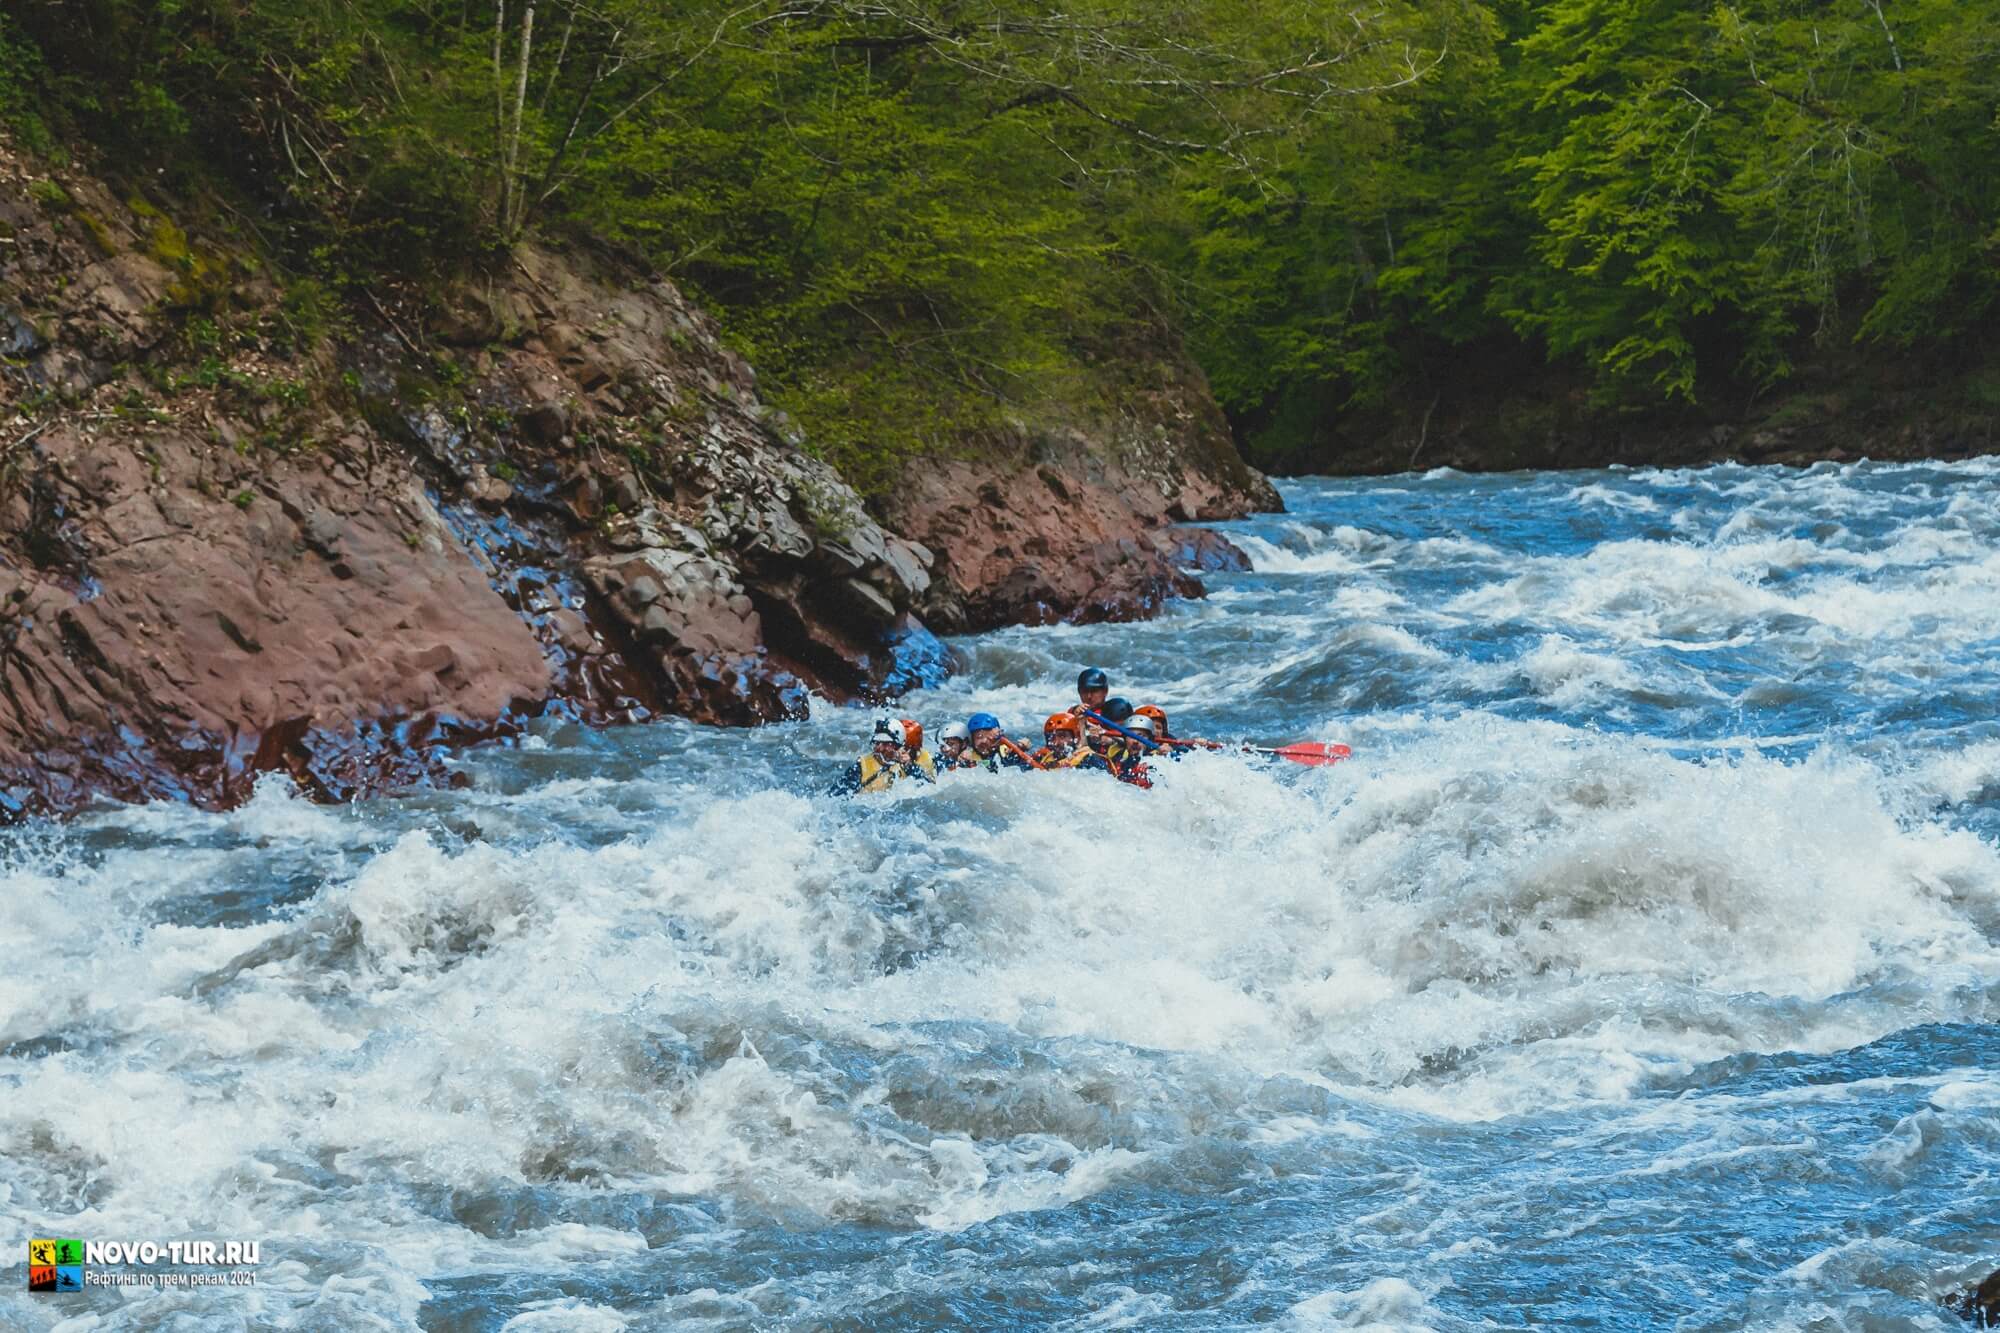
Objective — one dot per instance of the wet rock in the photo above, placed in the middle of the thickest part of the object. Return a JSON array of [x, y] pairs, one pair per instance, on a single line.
[[627, 492], [18, 338], [583, 498], [839, 555], [650, 528], [1979, 1306], [1012, 548], [866, 604], [440, 439], [573, 632], [679, 600], [1206, 550], [203, 648], [901, 573], [485, 489], [545, 422], [917, 659], [733, 689]]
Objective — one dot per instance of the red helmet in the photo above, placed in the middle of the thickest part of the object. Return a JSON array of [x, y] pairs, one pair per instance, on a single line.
[[1152, 711], [913, 733], [1061, 722]]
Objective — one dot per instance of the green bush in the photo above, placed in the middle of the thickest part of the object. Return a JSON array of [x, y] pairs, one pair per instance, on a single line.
[[21, 72]]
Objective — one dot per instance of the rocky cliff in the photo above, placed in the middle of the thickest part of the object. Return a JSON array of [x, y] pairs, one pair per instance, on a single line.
[[226, 547], [1080, 523]]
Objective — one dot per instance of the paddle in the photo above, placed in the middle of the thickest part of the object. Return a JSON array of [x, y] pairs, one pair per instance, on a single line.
[[1315, 754], [1009, 743], [1109, 725]]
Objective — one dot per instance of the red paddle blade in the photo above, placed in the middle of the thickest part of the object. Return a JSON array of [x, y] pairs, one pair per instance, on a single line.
[[1314, 753]]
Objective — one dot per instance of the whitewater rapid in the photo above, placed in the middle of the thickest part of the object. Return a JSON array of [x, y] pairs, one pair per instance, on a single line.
[[1642, 967]]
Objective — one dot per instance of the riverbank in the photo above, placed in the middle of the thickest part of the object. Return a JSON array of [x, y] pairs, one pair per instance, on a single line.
[[253, 526]]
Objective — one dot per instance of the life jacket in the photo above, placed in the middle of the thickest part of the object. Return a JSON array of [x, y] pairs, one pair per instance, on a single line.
[[1127, 760], [1046, 757], [873, 773]]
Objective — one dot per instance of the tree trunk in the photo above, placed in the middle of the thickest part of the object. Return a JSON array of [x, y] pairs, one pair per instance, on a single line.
[[500, 107], [511, 216]]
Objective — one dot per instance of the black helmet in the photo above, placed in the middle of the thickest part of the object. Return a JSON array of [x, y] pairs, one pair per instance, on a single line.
[[1117, 709], [1091, 678]]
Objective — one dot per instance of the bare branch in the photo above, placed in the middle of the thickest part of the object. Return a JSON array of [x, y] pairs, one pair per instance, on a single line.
[[1882, 19]]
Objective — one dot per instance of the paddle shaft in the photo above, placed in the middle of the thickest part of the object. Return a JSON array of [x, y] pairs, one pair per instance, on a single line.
[[1109, 725], [1008, 741], [1298, 752]]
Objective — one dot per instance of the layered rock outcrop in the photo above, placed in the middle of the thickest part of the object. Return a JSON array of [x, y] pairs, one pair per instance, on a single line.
[[1082, 524], [557, 490]]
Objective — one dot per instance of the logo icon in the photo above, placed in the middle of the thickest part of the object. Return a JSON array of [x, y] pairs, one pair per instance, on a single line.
[[55, 1265]]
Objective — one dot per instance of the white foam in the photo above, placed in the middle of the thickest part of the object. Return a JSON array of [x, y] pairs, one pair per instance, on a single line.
[[1570, 677], [568, 1315], [1386, 1305], [1013, 992], [1490, 922]]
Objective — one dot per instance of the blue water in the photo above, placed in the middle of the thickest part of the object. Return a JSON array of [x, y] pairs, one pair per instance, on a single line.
[[1641, 970]]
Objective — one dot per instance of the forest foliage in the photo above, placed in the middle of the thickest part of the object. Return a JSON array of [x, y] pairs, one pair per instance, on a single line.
[[921, 217]]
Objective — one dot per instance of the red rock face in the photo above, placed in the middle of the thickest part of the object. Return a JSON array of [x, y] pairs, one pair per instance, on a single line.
[[332, 565], [178, 628], [1087, 533]]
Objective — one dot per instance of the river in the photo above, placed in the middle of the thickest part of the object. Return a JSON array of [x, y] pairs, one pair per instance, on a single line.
[[1641, 969]]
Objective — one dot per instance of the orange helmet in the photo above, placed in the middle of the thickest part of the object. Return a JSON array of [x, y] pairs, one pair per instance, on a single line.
[[913, 733], [1159, 717], [1061, 722]]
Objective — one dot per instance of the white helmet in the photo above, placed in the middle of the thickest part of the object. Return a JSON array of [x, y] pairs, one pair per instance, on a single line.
[[886, 732], [955, 732]]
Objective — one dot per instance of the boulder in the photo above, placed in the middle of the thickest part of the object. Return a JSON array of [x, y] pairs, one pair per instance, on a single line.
[[545, 422], [678, 600]]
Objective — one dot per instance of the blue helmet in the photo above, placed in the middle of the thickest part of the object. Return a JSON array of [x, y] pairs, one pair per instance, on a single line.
[[982, 722], [1116, 709], [1091, 678]]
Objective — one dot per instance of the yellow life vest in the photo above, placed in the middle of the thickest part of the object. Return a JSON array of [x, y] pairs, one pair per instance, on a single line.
[[876, 775], [1077, 754]]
